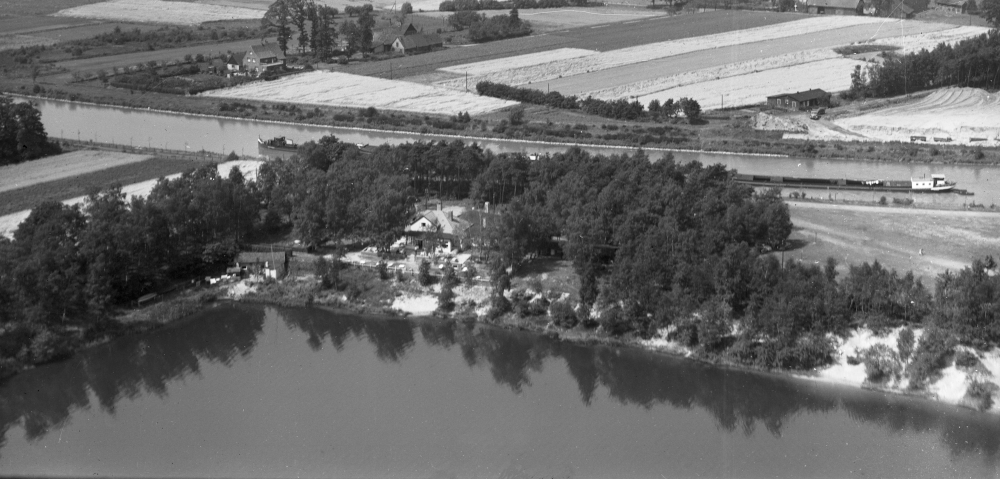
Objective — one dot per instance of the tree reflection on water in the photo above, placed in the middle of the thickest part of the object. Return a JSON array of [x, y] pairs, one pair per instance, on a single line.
[[45, 399]]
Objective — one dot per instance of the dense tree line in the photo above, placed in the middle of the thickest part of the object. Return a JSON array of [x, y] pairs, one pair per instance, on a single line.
[[499, 27], [314, 23], [22, 134], [974, 62], [473, 5], [620, 109]]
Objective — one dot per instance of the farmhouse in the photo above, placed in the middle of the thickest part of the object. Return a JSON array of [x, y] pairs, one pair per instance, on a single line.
[[261, 58], [264, 264], [436, 230], [836, 7], [953, 6], [412, 41], [802, 100]]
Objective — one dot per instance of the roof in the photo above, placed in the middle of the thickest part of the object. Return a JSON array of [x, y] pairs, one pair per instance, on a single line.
[[442, 222], [906, 9], [276, 258], [236, 58], [951, 3], [409, 29], [847, 4], [803, 95], [267, 51], [420, 40]]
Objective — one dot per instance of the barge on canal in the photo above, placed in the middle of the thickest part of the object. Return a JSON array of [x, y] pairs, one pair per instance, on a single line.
[[935, 184], [277, 147]]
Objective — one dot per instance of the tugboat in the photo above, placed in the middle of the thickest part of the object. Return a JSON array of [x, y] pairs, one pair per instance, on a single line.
[[277, 147]]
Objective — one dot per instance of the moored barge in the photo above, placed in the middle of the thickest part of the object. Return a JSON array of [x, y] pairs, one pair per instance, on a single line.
[[278, 147], [935, 184]]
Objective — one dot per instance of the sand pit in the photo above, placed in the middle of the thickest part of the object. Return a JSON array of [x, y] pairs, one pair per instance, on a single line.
[[654, 51], [531, 59], [831, 75], [962, 114], [355, 91], [67, 165], [160, 11], [8, 223]]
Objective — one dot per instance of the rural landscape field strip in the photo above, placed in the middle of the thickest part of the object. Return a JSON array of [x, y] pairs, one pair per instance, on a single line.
[[958, 113], [160, 11], [12, 201], [354, 91], [490, 66], [915, 43], [644, 77], [830, 75], [66, 165], [654, 51], [14, 42], [9, 222]]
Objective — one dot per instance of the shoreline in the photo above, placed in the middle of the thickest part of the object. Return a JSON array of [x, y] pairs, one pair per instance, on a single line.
[[476, 138]]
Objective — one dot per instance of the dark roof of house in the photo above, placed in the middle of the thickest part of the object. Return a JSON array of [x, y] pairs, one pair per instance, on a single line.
[[951, 3], [803, 95], [267, 51], [847, 4], [276, 258], [420, 40], [409, 29], [236, 58]]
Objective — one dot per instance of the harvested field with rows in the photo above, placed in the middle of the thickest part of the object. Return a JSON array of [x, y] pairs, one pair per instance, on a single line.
[[354, 91], [531, 59], [14, 42], [643, 54], [550, 19], [915, 43], [14, 200], [160, 11], [67, 165]]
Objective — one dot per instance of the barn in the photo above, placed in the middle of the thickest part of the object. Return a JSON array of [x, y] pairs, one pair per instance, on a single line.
[[802, 100], [836, 7]]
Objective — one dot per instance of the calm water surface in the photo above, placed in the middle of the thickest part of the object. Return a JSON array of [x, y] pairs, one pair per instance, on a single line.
[[178, 131], [241, 391]]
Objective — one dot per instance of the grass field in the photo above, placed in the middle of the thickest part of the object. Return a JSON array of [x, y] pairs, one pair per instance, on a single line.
[[26, 8], [66, 165], [355, 91], [14, 42], [160, 11], [13, 200], [893, 236], [545, 20], [31, 24]]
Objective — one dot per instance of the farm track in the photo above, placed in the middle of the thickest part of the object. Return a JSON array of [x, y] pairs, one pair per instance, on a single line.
[[656, 29]]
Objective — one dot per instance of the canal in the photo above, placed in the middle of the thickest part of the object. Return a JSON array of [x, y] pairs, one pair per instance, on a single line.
[[252, 391]]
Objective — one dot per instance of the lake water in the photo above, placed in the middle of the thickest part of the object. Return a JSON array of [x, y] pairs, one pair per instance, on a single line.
[[178, 131], [247, 391]]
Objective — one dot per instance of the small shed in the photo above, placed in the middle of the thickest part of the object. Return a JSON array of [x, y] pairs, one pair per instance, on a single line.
[[263, 263], [803, 100], [836, 7], [417, 43]]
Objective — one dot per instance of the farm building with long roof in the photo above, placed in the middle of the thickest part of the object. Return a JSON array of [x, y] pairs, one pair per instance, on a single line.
[[802, 100], [836, 7]]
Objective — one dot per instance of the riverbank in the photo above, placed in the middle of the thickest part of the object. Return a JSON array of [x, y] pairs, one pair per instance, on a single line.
[[724, 132]]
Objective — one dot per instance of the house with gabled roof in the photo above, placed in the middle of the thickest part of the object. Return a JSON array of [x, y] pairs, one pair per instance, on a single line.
[[412, 40], [262, 58], [803, 100], [436, 230], [836, 7]]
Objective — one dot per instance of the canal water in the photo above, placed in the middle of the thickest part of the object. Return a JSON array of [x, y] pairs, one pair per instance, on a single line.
[[252, 391], [179, 131]]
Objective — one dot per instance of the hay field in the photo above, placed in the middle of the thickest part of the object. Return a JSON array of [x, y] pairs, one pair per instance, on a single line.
[[530, 59], [9, 223], [355, 91], [66, 165], [653, 51], [958, 113], [550, 19], [14, 42], [160, 11], [831, 75], [647, 73], [917, 42]]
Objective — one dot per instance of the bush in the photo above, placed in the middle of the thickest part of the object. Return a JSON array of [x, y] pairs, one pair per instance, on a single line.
[[446, 299], [469, 274], [931, 356], [981, 394], [966, 359], [904, 344], [383, 270], [424, 274], [881, 363], [563, 315]]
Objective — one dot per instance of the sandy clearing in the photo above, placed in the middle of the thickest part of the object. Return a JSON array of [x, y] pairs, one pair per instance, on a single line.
[[422, 305], [831, 75], [490, 66], [957, 113], [649, 77], [14, 42], [653, 51], [355, 91], [9, 223], [160, 11], [66, 165]]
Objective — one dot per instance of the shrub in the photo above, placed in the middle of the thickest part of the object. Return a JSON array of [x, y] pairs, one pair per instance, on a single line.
[[424, 274], [981, 394], [881, 363], [400, 276], [446, 299], [563, 315], [966, 359], [931, 356], [469, 274], [904, 344], [383, 270]]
